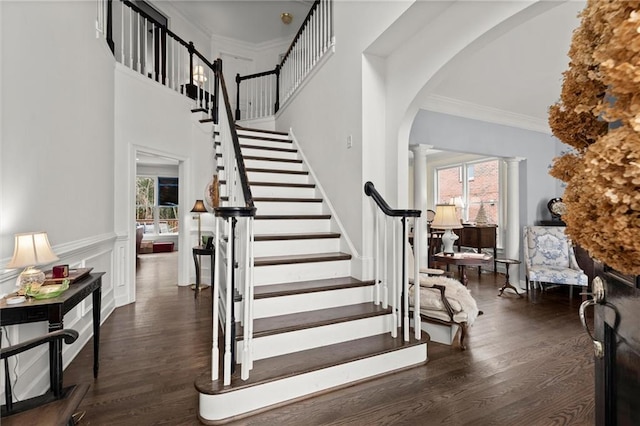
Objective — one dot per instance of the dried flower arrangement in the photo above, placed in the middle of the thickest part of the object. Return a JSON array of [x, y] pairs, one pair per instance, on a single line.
[[598, 115]]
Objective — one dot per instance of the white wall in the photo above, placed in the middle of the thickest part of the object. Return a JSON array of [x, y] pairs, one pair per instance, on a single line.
[[151, 118], [329, 109], [57, 171]]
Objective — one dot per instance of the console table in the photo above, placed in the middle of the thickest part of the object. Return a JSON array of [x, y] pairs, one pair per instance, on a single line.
[[478, 237], [53, 311], [461, 260], [197, 252]]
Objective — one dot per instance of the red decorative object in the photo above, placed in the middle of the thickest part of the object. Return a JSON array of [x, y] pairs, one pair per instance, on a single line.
[[60, 271]]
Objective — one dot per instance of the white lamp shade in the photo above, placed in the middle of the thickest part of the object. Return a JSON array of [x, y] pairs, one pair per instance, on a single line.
[[31, 249], [446, 217]]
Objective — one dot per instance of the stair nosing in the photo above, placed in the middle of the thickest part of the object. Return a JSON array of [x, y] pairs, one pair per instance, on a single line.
[[286, 200], [300, 258], [265, 138], [306, 287], [284, 184], [277, 171], [297, 236], [250, 129], [293, 217], [269, 148], [282, 160]]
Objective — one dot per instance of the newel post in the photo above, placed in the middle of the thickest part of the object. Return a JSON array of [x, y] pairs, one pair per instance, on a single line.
[[191, 50], [277, 105], [216, 89], [238, 96]]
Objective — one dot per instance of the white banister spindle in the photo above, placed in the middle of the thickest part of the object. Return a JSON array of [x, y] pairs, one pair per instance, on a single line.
[[144, 41], [385, 263], [130, 38], [139, 37], [394, 280], [405, 278], [122, 35], [376, 257], [417, 252], [215, 295], [228, 301], [154, 71]]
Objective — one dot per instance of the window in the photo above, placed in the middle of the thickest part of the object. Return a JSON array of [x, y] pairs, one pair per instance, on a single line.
[[157, 204], [469, 186]]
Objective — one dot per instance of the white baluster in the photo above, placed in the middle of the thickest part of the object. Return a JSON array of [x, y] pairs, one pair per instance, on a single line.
[[139, 42], [215, 297], [229, 301], [405, 279], [417, 243], [130, 38], [122, 35], [376, 257], [146, 65], [154, 71], [385, 264]]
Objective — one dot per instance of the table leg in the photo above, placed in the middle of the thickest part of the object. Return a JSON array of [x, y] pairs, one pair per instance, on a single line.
[[463, 275], [55, 352], [97, 306], [197, 262], [507, 284]]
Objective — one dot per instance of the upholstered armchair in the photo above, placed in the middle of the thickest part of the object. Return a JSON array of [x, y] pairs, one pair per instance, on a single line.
[[549, 258], [446, 305]]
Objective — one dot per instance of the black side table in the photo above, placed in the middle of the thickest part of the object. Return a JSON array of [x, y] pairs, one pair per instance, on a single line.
[[507, 284], [197, 252]]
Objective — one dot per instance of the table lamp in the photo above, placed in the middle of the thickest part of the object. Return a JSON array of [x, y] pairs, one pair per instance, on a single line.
[[447, 219], [30, 250], [199, 208]]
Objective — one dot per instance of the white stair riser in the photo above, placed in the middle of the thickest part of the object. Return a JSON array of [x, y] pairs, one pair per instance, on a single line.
[[269, 153], [283, 305], [281, 208], [277, 177], [275, 274], [228, 404], [306, 246], [275, 165], [282, 191], [266, 144], [278, 226], [315, 337]]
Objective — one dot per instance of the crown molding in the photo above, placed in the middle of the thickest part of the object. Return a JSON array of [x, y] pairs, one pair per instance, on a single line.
[[446, 105]]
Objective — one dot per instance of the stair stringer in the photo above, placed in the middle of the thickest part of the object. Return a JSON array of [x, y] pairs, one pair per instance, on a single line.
[[364, 264]]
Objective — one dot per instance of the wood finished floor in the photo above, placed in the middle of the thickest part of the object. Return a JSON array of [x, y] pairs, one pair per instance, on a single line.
[[528, 363]]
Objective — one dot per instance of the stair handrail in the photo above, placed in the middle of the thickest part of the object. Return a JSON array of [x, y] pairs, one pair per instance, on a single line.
[[382, 281]]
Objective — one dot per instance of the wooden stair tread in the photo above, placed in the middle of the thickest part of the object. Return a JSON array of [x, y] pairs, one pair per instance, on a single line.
[[286, 172], [283, 184], [312, 286], [268, 148], [287, 200], [264, 138], [199, 110], [292, 216], [273, 132], [289, 365], [300, 258], [206, 120], [309, 319], [300, 236], [282, 160]]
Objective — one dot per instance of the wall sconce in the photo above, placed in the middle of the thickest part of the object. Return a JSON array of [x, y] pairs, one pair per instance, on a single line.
[[30, 250], [199, 208], [286, 18], [447, 219], [198, 75]]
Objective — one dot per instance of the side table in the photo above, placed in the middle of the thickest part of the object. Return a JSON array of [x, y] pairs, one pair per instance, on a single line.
[[507, 284], [197, 252]]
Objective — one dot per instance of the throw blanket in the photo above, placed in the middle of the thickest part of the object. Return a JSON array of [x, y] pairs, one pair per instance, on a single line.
[[458, 295]]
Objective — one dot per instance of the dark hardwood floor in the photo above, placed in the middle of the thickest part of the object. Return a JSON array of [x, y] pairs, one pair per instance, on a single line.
[[528, 363]]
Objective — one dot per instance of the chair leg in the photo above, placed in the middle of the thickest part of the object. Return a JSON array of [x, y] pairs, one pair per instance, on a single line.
[[463, 333]]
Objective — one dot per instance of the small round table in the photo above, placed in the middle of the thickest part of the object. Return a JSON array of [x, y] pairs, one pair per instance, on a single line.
[[507, 284]]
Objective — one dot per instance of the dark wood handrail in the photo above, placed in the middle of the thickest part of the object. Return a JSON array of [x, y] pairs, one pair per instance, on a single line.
[[242, 171], [257, 75], [299, 33], [370, 190], [150, 18]]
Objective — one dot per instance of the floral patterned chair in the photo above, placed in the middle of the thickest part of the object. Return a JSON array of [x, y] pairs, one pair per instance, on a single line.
[[549, 258]]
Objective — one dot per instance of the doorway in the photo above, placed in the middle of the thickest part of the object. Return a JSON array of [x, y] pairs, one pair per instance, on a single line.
[[158, 214]]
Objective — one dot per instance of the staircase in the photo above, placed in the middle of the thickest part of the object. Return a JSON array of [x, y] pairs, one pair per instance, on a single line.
[[315, 327]]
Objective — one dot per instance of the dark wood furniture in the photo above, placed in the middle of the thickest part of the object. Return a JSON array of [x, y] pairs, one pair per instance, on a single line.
[[462, 260], [478, 237], [53, 311], [197, 252], [507, 284], [54, 407]]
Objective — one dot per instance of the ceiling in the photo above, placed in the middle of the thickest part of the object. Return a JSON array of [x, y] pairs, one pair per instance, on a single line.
[[251, 21]]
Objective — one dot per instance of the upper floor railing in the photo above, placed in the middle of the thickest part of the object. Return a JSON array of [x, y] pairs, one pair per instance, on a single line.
[[391, 254], [262, 94]]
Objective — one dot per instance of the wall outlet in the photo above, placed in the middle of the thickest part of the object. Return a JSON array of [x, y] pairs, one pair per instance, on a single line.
[[349, 141]]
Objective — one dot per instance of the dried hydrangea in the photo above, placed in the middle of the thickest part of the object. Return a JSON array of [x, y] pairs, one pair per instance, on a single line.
[[603, 174]]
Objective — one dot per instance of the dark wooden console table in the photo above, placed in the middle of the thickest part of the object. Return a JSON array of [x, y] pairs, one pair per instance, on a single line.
[[53, 311], [478, 237]]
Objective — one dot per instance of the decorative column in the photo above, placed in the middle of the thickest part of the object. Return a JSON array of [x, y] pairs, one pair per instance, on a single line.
[[420, 193], [512, 238]]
